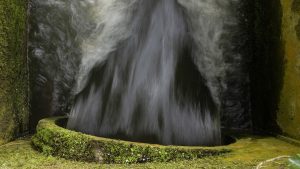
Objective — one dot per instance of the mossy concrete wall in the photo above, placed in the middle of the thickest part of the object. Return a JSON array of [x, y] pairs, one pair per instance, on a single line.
[[13, 69], [288, 114], [275, 69]]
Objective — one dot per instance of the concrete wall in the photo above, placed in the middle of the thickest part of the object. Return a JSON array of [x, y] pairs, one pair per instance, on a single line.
[[275, 69], [288, 114], [13, 69]]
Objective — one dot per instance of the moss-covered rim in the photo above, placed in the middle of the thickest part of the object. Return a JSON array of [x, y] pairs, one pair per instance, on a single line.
[[51, 139]]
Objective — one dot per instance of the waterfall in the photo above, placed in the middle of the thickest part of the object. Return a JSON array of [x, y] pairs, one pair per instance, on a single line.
[[141, 70]]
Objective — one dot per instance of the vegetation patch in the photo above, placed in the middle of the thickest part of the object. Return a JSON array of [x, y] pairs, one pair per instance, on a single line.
[[51, 139], [247, 153]]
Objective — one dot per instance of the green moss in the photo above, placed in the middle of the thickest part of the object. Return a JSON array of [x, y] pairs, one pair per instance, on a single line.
[[13, 68], [297, 29], [296, 9], [54, 140], [296, 6], [246, 153], [289, 106]]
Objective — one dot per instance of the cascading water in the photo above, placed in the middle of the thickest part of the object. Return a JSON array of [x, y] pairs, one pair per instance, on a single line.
[[142, 70]]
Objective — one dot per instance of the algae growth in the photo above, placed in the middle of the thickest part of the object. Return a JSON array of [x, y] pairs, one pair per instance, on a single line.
[[248, 154], [13, 68], [51, 139], [289, 105]]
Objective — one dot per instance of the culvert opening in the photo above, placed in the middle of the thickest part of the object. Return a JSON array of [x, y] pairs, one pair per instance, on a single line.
[[227, 139]]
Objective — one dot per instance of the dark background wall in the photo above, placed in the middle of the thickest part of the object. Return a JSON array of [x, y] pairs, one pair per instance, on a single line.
[[266, 69]]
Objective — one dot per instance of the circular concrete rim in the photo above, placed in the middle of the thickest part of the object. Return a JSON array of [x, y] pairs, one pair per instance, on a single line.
[[52, 139]]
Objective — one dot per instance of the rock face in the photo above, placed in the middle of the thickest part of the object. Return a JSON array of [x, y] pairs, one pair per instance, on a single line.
[[13, 69]]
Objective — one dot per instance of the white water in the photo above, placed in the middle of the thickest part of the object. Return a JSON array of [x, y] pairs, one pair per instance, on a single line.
[[136, 64]]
